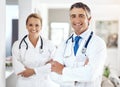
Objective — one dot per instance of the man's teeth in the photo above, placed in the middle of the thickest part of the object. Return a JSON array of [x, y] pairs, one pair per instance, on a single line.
[[78, 24]]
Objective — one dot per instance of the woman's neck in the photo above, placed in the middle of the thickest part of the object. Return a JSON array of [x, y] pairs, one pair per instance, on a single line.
[[33, 40]]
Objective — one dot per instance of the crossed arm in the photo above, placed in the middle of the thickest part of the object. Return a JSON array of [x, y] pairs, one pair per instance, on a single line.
[[58, 67], [30, 71]]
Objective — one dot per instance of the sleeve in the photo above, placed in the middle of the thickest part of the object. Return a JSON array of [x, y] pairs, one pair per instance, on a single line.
[[17, 64], [93, 70], [47, 67]]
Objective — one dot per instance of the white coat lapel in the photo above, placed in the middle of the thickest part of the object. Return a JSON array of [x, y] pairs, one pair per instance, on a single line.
[[68, 49]]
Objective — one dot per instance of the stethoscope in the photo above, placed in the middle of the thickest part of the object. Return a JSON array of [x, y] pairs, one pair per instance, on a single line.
[[23, 40], [84, 47]]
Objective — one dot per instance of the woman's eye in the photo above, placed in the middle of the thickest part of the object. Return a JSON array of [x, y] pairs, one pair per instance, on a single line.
[[30, 24]]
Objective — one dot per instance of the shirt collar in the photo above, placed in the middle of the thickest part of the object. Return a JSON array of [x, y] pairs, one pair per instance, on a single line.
[[83, 35]]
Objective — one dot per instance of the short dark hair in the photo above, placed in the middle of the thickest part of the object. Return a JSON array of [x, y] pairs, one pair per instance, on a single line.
[[34, 15], [83, 6]]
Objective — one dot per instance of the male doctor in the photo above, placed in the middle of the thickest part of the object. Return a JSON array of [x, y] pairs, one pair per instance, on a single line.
[[79, 61]]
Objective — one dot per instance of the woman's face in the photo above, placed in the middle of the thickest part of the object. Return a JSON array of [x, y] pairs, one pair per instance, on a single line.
[[79, 20], [34, 26]]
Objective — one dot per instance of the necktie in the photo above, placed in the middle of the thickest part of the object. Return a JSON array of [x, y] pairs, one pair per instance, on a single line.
[[76, 46]]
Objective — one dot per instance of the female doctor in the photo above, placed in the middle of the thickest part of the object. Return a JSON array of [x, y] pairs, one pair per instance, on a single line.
[[79, 61], [31, 56]]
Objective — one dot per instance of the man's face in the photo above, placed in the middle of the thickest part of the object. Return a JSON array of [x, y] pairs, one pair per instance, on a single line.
[[79, 20]]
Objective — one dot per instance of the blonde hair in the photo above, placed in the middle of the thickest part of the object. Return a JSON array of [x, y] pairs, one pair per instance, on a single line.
[[34, 15]]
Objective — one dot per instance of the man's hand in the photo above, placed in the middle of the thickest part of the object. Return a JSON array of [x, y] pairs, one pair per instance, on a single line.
[[27, 73], [57, 67], [50, 61], [86, 61]]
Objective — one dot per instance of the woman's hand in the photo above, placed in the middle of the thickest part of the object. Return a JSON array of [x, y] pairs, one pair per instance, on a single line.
[[27, 73]]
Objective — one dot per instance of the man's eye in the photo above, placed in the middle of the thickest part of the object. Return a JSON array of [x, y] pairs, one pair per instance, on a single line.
[[73, 16], [81, 16], [36, 25]]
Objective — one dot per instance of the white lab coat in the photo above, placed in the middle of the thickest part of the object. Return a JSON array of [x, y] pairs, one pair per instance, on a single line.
[[33, 59], [86, 76]]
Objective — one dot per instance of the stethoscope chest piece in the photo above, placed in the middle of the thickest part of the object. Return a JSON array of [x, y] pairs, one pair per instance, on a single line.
[[84, 50], [40, 51]]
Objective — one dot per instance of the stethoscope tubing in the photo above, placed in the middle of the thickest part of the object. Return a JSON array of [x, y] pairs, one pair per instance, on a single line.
[[23, 40]]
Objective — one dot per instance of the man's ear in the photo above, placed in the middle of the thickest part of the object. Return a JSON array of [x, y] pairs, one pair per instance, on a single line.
[[89, 20]]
